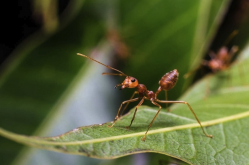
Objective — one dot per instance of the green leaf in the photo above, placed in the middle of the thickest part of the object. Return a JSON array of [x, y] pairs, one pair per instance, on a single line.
[[175, 134], [57, 66]]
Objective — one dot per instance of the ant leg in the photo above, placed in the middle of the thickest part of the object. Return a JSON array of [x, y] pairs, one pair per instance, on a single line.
[[166, 98], [128, 102], [184, 102], [153, 119], [192, 71], [204, 62], [116, 118], [212, 55], [232, 52], [230, 37], [141, 102]]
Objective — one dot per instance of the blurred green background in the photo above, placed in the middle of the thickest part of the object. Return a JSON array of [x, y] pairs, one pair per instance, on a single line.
[[47, 90]]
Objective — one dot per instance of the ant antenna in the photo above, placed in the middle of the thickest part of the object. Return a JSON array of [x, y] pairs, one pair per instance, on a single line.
[[117, 74]]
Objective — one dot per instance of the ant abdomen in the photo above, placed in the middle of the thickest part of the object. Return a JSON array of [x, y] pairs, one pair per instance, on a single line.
[[168, 81]]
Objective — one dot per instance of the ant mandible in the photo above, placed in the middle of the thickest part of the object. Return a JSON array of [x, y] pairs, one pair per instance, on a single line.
[[166, 83]]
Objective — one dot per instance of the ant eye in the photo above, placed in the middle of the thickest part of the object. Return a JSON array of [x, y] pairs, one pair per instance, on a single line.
[[133, 80]]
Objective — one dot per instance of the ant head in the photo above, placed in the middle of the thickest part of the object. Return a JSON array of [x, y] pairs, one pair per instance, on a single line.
[[129, 82]]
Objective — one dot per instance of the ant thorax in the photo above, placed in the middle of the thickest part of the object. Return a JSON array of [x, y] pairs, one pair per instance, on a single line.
[[141, 88]]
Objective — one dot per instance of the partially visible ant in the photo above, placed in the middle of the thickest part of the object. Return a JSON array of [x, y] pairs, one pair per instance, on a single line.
[[220, 60], [166, 83]]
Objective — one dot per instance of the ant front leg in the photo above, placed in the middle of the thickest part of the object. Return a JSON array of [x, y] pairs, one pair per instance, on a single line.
[[190, 108], [116, 118], [128, 102], [140, 103]]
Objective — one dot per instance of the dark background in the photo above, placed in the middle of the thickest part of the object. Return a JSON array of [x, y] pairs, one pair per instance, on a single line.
[[19, 22]]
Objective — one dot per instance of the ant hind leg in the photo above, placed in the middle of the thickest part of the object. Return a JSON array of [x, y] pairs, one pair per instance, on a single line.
[[190, 108], [167, 105]]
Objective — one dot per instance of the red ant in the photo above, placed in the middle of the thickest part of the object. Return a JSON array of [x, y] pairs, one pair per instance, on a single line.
[[223, 58], [220, 60], [166, 83]]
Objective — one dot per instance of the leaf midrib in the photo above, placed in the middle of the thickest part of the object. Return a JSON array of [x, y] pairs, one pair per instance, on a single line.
[[22, 138]]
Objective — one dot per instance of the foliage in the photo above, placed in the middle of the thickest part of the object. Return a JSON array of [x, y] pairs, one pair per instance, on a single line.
[[42, 86]]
